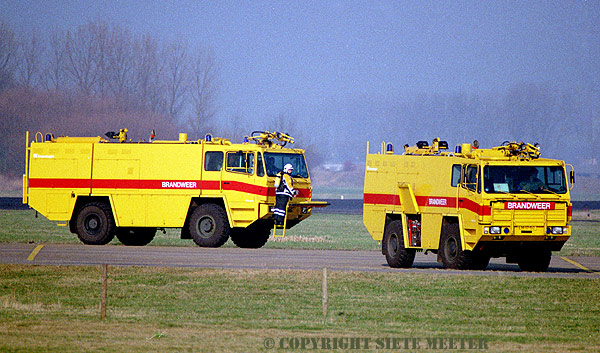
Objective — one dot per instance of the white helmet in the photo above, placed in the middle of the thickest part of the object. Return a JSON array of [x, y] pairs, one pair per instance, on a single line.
[[288, 168]]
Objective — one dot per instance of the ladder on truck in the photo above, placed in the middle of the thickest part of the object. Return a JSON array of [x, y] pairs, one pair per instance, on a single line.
[[281, 227]]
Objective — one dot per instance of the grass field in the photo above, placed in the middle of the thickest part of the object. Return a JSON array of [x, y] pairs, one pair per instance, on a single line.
[[56, 309]]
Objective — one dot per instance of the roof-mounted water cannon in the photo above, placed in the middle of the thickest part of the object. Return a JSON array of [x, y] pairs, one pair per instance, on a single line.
[[122, 135], [267, 138], [520, 150]]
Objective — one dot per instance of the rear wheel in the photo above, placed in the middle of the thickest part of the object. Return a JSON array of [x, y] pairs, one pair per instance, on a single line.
[[135, 236], [208, 226], [95, 224], [537, 261], [393, 247]]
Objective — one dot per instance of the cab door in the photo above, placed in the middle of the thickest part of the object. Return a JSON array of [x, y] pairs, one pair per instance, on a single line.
[[212, 173], [469, 201], [242, 187]]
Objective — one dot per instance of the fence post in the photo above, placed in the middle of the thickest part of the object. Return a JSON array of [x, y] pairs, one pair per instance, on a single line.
[[325, 293], [104, 292]]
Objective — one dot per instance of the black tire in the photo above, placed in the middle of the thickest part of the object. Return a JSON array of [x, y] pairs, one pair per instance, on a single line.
[[253, 237], [396, 254], [95, 224], [452, 254], [480, 261], [208, 226], [535, 261], [135, 236]]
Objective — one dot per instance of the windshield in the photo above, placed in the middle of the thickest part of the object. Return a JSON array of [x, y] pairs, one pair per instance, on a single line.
[[524, 179], [274, 163]]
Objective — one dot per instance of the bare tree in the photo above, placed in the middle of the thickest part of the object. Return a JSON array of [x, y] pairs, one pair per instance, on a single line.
[[8, 53], [31, 51], [203, 90], [84, 60], [176, 85], [54, 76], [283, 123], [119, 70], [148, 71]]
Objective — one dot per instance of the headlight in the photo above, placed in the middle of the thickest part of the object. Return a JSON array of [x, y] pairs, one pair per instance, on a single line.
[[494, 230], [557, 230], [491, 230]]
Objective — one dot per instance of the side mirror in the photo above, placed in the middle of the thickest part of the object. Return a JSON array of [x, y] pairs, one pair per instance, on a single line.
[[572, 177]]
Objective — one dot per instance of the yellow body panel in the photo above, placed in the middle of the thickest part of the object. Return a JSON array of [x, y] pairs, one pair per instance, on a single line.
[[57, 163], [154, 184], [433, 187]]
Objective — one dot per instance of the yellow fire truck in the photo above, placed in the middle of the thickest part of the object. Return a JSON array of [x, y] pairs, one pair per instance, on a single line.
[[212, 189], [468, 205]]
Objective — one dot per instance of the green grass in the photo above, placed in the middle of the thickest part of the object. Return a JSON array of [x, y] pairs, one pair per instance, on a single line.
[[56, 309], [52, 309], [585, 239], [328, 192], [320, 231]]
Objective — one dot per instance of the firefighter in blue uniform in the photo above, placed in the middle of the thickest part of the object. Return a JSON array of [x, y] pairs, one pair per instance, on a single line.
[[284, 192]]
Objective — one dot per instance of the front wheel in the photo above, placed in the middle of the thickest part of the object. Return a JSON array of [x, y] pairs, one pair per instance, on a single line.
[[95, 224], [451, 251], [252, 237], [208, 226], [452, 254], [396, 254], [537, 261]]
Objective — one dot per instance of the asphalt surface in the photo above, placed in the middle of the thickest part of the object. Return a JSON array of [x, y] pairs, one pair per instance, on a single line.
[[235, 258]]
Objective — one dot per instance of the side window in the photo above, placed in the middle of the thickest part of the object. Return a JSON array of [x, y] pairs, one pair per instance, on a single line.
[[554, 178], [455, 175], [242, 162], [260, 169], [250, 162], [471, 177], [213, 161]]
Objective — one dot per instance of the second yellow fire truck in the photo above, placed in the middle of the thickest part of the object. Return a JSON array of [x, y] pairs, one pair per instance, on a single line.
[[467, 205], [211, 188]]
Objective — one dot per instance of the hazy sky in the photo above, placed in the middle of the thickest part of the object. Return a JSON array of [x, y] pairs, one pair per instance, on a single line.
[[292, 56]]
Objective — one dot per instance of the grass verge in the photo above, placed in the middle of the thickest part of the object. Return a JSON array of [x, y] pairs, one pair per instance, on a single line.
[[320, 231], [54, 309]]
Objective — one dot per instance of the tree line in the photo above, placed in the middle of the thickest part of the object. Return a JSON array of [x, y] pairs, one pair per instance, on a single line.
[[100, 76]]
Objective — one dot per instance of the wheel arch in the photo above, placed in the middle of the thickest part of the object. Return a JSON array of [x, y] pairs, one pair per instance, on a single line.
[[197, 201], [219, 201], [84, 200], [452, 222], [389, 218], [403, 218], [400, 256]]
